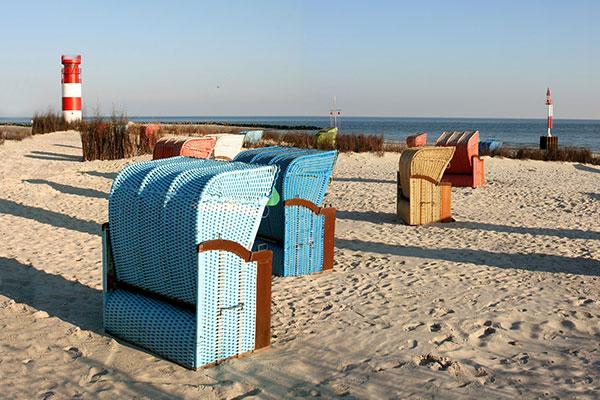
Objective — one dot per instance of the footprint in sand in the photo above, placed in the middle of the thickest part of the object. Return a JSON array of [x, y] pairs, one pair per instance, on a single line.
[[410, 344], [73, 352], [436, 327], [487, 331], [582, 301], [95, 375], [412, 326], [440, 340], [434, 362], [519, 358]]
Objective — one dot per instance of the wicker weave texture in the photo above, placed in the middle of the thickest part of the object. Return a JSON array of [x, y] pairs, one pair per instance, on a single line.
[[466, 144], [158, 220], [226, 306], [252, 137], [430, 162], [419, 175], [294, 231], [159, 211], [158, 326]]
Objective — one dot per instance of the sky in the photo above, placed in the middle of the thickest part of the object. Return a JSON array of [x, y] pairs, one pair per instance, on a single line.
[[257, 58]]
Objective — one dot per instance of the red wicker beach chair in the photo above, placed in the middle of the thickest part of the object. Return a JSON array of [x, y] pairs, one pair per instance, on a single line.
[[418, 140], [198, 147], [466, 168]]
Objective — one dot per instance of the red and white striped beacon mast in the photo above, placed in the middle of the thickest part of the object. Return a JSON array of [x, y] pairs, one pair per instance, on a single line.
[[71, 87], [550, 110]]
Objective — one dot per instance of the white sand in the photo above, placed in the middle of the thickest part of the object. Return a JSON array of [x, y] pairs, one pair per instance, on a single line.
[[505, 302]]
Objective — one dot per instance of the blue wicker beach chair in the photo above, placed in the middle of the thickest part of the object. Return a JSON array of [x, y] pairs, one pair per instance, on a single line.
[[252, 137], [179, 277], [298, 230]]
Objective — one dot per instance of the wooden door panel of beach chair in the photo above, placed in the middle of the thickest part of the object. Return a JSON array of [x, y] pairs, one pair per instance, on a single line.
[[298, 230], [422, 198], [466, 168], [193, 304]]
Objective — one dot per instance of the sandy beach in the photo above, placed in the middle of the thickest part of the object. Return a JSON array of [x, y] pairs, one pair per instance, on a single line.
[[502, 303]]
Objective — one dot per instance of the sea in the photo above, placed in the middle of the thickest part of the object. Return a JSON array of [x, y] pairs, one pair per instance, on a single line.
[[512, 132]]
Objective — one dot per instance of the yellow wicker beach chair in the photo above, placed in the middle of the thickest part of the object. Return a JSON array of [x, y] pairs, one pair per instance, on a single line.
[[422, 198]]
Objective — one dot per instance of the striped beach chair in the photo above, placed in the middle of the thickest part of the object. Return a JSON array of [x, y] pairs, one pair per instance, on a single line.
[[299, 230], [180, 279]]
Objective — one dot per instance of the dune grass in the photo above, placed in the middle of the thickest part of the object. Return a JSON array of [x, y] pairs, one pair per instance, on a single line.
[[50, 121], [566, 154], [9, 132]]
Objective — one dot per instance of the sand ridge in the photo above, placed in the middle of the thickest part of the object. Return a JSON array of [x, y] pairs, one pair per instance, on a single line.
[[504, 302]]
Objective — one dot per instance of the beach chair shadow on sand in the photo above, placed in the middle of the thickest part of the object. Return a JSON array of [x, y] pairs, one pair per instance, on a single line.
[[179, 278]]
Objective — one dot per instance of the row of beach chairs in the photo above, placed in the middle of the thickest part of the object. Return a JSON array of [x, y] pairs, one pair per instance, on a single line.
[[192, 242], [427, 173], [221, 146], [191, 245]]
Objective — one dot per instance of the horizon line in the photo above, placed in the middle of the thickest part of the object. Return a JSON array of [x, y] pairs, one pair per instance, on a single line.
[[326, 117]]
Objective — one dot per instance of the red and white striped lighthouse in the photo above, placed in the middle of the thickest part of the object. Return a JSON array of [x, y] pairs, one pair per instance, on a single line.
[[71, 88], [550, 110]]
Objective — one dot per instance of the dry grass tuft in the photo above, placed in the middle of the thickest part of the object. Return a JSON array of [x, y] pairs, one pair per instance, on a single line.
[[9, 132], [360, 143], [109, 139], [567, 154], [50, 121]]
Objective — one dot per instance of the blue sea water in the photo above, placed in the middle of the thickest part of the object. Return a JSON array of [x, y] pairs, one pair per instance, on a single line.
[[571, 132]]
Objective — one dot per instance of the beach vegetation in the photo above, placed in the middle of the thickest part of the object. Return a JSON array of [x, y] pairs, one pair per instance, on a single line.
[[566, 154], [51, 121]]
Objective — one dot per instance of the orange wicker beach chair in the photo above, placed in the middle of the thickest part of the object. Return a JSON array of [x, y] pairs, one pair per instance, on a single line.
[[196, 147], [417, 140], [466, 168], [422, 197]]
